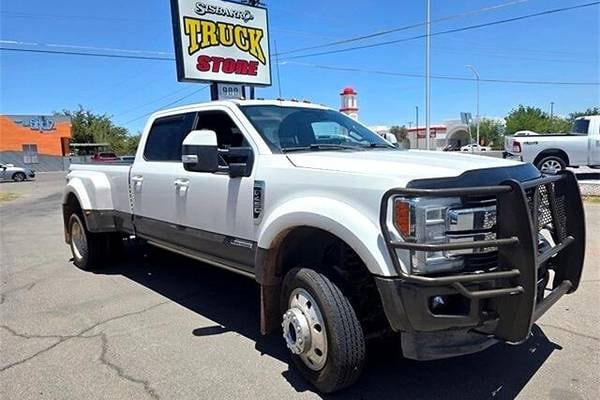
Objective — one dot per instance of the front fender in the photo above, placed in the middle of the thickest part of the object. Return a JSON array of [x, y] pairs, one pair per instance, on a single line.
[[335, 217]]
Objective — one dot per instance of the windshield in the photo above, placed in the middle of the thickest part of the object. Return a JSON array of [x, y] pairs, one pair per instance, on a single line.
[[309, 129]]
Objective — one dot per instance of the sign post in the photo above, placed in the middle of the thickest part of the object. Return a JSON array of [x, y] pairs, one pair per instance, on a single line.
[[466, 119], [220, 41]]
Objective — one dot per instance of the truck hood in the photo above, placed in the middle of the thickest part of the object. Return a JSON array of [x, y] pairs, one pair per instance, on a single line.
[[413, 164]]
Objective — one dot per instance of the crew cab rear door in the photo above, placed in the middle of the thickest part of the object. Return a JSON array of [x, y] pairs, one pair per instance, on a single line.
[[156, 201]]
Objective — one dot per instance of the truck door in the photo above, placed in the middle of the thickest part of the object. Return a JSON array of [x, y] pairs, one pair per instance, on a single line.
[[153, 175], [217, 209], [594, 138]]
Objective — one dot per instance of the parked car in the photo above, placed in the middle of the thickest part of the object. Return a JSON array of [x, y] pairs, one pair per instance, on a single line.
[[17, 174], [452, 147], [104, 156], [475, 147], [127, 158], [554, 152], [348, 240]]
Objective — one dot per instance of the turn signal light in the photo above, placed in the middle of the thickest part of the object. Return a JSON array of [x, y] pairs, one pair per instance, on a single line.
[[402, 217]]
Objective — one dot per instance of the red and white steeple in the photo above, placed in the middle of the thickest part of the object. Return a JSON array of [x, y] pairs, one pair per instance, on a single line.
[[349, 102]]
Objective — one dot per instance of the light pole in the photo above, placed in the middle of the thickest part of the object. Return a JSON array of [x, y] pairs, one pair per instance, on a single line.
[[472, 68], [428, 75]]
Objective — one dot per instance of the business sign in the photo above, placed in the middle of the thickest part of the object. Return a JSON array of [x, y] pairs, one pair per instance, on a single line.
[[229, 91], [466, 118], [422, 133], [220, 41]]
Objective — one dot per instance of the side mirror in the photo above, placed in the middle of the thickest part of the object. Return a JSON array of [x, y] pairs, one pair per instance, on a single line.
[[240, 160], [199, 151]]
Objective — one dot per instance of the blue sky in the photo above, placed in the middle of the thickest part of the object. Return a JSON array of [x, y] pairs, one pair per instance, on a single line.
[[558, 47]]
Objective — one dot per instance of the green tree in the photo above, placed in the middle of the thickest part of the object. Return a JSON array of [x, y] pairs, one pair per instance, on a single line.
[[88, 127], [534, 119], [491, 132], [588, 111], [401, 134]]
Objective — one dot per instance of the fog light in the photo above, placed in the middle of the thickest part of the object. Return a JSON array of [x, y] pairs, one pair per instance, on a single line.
[[437, 303]]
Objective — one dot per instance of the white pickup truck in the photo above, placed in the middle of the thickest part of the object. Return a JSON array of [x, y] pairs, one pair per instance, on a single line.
[[554, 152], [348, 237]]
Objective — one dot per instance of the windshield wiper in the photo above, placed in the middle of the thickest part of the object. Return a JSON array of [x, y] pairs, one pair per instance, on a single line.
[[380, 145], [322, 146]]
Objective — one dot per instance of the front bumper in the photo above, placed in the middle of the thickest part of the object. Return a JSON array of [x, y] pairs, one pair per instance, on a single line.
[[497, 305]]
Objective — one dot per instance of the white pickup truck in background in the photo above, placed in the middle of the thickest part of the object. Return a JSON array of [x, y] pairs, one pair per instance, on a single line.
[[348, 236], [554, 152]]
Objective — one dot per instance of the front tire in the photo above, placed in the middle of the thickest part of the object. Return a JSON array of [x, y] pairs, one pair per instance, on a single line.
[[321, 330], [87, 248], [18, 177], [551, 164]]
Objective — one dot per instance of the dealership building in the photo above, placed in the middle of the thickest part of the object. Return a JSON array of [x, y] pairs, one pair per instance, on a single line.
[[451, 132], [39, 142]]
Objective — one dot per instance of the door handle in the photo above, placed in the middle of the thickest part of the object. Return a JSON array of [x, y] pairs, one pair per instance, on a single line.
[[181, 185], [137, 181], [181, 182]]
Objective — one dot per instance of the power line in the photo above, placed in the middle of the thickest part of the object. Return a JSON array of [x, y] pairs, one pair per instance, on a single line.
[[402, 28], [150, 102], [168, 104], [455, 30], [441, 77], [89, 54], [304, 64]]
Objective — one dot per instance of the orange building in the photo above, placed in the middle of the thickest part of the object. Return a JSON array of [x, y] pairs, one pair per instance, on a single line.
[[37, 141]]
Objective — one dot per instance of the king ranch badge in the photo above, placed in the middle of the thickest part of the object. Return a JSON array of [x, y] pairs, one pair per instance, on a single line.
[[222, 41]]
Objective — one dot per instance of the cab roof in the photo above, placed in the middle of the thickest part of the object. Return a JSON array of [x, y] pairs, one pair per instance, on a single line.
[[238, 102]]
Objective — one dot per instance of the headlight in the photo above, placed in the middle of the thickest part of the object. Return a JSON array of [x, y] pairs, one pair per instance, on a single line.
[[438, 221]]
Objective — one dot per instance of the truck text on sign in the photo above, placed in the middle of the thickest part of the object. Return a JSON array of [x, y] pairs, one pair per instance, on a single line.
[[220, 41]]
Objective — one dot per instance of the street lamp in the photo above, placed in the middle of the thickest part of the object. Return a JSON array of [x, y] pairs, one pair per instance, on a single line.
[[472, 68]]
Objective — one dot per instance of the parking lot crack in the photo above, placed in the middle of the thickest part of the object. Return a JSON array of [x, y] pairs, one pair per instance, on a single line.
[[3, 295], [560, 328], [64, 338], [120, 371]]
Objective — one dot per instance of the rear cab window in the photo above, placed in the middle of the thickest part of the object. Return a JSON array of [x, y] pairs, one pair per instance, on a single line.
[[580, 127]]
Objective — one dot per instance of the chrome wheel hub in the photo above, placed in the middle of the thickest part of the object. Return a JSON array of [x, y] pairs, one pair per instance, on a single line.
[[551, 166], [304, 329], [78, 239]]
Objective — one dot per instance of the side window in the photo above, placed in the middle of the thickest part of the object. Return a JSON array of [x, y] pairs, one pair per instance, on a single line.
[[166, 136], [581, 126], [228, 133]]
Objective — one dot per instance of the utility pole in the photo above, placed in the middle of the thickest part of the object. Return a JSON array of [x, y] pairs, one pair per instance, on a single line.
[[417, 124], [428, 75], [472, 68], [253, 3], [551, 110]]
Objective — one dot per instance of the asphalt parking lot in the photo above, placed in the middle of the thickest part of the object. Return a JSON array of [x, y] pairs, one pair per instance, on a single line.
[[164, 327]]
